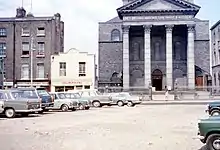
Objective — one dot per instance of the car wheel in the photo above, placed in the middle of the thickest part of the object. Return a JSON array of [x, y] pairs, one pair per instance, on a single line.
[[120, 103], [96, 104], [87, 108], [213, 142], [215, 113], [130, 104], [81, 107], [64, 107], [10, 113], [73, 109]]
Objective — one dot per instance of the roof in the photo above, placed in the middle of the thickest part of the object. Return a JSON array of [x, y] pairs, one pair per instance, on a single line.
[[215, 25], [12, 19], [72, 50], [180, 6]]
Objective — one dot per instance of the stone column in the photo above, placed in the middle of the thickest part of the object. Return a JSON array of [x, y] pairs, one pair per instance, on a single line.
[[126, 80], [147, 55], [190, 57], [169, 55]]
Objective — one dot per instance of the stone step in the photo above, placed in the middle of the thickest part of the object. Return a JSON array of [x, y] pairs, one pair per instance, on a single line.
[[163, 97]]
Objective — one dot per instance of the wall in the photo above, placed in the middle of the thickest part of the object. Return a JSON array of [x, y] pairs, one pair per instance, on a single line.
[[72, 59]]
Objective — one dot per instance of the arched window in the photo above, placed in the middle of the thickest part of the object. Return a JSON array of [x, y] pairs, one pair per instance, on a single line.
[[214, 80], [115, 36], [219, 79]]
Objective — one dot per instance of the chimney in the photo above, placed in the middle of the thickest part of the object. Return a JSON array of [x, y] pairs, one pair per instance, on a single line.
[[20, 12]]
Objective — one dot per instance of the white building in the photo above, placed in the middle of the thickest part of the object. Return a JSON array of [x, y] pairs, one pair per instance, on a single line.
[[72, 70]]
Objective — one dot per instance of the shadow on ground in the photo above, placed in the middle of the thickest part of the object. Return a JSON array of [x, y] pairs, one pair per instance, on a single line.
[[203, 148]]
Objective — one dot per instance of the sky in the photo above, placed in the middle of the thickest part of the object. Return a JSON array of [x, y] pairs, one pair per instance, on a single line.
[[81, 17]]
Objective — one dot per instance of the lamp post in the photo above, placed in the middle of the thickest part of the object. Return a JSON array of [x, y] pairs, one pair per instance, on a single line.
[[32, 49]]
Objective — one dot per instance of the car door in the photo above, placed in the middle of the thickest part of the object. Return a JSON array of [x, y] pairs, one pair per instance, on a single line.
[[56, 101], [2, 100]]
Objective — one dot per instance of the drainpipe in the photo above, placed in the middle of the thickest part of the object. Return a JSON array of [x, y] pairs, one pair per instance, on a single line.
[[14, 40]]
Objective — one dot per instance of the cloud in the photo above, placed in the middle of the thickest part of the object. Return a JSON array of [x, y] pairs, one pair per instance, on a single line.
[[80, 17]]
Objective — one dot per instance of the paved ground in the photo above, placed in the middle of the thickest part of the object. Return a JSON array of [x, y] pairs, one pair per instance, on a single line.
[[165, 127]]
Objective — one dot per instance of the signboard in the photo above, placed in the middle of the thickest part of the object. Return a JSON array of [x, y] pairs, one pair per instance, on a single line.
[[71, 82], [8, 83], [34, 83]]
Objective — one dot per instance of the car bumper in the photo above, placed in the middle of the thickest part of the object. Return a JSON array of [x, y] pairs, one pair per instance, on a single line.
[[45, 105], [29, 111]]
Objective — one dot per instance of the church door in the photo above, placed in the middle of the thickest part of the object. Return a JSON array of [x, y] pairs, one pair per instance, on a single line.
[[157, 79]]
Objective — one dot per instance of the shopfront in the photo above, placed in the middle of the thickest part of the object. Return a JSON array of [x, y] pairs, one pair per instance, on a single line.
[[66, 85], [36, 83]]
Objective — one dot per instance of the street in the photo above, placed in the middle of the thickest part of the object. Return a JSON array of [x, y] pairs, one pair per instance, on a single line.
[[166, 127]]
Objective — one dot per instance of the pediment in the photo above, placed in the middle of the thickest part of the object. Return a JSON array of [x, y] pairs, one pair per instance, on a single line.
[[157, 5], [154, 6]]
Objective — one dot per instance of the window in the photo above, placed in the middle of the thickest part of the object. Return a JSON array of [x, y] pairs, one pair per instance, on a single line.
[[40, 70], [82, 69], [115, 35], [85, 94], [87, 87], [79, 87], [2, 49], [214, 80], [25, 31], [2, 67], [3, 32], [25, 71], [25, 48], [62, 68], [41, 48], [41, 31], [2, 96], [214, 58]]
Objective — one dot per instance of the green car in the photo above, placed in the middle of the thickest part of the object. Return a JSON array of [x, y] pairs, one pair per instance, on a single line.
[[209, 132], [84, 103]]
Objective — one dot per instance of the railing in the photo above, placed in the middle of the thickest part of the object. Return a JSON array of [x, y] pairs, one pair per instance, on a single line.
[[177, 93]]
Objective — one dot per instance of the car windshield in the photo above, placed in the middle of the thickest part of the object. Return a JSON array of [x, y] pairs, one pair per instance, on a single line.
[[43, 92], [24, 94]]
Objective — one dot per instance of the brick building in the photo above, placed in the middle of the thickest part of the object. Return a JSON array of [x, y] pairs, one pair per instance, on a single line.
[[15, 46], [157, 42]]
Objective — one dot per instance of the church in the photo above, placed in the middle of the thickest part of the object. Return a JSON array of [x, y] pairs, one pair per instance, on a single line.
[[156, 42]]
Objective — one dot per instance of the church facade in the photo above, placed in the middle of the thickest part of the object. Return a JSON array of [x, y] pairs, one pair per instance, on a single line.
[[158, 42]]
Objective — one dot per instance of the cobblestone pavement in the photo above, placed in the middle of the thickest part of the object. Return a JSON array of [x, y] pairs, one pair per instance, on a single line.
[[163, 127]]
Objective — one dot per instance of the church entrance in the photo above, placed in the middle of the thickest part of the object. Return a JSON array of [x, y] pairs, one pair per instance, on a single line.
[[157, 79]]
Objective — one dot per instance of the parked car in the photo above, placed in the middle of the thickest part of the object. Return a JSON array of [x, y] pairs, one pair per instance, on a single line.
[[97, 99], [47, 99], [125, 98], [64, 103], [213, 108], [209, 132], [19, 102], [84, 103]]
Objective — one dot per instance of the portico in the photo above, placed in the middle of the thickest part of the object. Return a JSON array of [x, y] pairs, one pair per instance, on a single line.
[[160, 49]]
